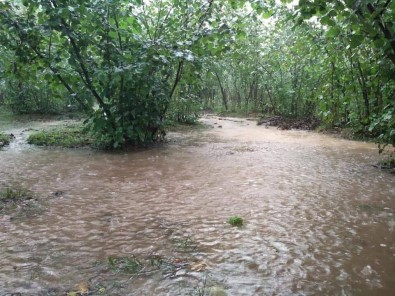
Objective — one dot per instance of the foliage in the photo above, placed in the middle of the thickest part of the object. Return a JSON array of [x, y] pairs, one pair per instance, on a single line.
[[360, 35], [384, 126], [363, 20], [125, 57], [26, 90], [331, 68], [132, 65], [236, 221], [68, 137]]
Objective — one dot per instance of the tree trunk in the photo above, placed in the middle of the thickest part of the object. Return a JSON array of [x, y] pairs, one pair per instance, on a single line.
[[224, 94]]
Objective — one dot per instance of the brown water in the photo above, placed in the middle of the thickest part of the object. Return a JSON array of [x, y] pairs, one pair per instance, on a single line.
[[319, 218]]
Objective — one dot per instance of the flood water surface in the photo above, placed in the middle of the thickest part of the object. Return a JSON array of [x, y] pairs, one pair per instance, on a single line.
[[319, 219]]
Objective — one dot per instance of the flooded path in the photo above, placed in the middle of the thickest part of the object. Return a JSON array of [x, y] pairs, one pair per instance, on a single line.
[[319, 219]]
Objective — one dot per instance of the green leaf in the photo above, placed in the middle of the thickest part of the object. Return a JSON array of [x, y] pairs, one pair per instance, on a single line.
[[326, 20], [333, 32], [356, 40]]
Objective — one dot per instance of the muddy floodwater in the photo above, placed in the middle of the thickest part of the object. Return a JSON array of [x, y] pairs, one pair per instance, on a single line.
[[319, 218]]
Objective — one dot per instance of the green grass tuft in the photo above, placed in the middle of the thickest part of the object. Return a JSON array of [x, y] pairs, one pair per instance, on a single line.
[[236, 221]]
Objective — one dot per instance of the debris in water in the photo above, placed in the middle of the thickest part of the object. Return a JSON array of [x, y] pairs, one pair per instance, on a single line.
[[367, 270], [198, 266]]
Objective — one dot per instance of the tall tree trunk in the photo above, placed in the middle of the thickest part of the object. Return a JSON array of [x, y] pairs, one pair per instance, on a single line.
[[224, 94], [364, 89]]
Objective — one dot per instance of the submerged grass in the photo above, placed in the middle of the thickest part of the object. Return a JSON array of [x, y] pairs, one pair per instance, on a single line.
[[184, 245], [19, 202], [15, 194], [130, 265]]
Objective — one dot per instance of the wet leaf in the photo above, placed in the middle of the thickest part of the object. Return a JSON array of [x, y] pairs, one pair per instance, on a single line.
[[198, 266], [83, 287], [102, 290]]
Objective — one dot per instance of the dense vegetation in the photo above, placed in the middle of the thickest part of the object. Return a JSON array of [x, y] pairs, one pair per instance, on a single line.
[[132, 65]]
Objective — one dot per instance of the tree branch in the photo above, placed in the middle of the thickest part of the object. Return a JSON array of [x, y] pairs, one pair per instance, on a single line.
[[87, 79]]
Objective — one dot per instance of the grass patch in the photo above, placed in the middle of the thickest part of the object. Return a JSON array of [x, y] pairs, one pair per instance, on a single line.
[[236, 221], [67, 136], [75, 135], [15, 194], [5, 139]]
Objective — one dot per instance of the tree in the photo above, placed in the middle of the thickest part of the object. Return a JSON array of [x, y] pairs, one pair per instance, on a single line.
[[126, 58], [368, 26]]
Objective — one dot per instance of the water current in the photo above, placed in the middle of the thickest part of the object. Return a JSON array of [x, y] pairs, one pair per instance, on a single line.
[[319, 218]]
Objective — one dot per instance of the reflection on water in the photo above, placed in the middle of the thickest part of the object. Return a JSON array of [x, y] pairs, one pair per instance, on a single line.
[[319, 218]]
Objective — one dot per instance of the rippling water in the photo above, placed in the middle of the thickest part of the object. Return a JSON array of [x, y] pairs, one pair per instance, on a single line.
[[319, 218]]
